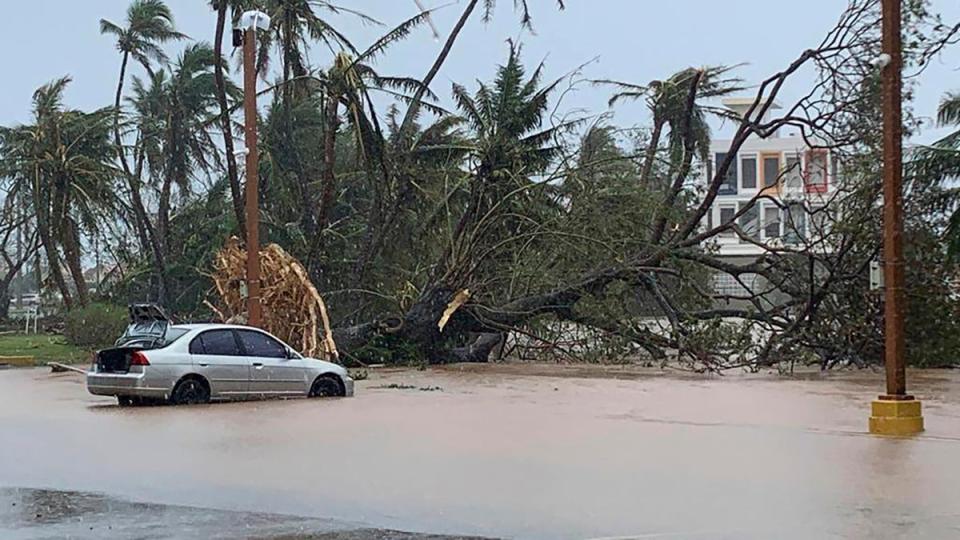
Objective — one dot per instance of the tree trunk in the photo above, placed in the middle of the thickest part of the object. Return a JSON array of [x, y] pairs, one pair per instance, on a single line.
[[4, 301], [375, 237], [412, 110], [53, 263], [232, 173], [651, 153], [71, 251], [332, 124]]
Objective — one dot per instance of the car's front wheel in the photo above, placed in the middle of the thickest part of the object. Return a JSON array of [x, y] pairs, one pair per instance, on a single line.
[[191, 391], [326, 386]]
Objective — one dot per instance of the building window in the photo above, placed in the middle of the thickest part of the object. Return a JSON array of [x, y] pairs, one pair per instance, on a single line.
[[816, 171], [795, 223], [750, 221], [727, 285], [793, 174], [748, 172], [771, 170], [771, 221], [726, 216], [819, 222], [729, 184]]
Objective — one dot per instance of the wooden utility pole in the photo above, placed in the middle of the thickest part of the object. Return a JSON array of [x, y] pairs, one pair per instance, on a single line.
[[893, 204], [250, 21], [896, 412]]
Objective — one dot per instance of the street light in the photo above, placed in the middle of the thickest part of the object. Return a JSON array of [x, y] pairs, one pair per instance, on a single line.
[[250, 22], [895, 412]]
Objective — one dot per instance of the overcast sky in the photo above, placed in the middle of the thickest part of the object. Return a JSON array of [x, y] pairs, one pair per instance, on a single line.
[[632, 40]]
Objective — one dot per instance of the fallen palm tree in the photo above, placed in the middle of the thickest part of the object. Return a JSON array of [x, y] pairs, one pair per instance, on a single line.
[[293, 310]]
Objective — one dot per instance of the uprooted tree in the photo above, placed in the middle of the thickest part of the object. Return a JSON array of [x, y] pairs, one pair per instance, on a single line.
[[617, 245], [489, 224]]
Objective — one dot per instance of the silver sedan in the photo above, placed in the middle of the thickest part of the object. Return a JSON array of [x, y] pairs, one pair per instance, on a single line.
[[196, 363]]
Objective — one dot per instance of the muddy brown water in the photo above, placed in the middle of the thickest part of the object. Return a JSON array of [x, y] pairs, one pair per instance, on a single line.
[[507, 451]]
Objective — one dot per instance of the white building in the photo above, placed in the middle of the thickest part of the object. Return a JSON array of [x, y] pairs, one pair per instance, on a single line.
[[793, 182]]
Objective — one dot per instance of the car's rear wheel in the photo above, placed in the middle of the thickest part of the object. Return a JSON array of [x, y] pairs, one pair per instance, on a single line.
[[125, 401], [326, 386], [190, 391]]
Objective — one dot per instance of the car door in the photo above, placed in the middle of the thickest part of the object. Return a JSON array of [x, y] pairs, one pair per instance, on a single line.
[[271, 371], [219, 358]]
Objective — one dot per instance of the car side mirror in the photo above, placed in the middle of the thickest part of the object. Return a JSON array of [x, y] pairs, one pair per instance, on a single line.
[[291, 354]]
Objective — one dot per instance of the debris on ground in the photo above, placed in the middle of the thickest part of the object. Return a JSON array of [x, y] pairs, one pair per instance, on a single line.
[[57, 367], [293, 310]]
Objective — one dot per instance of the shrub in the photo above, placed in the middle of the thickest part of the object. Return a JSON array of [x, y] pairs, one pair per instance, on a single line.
[[97, 325]]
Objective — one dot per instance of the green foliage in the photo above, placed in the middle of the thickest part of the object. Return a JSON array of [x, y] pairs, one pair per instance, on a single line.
[[96, 325], [389, 349], [44, 348]]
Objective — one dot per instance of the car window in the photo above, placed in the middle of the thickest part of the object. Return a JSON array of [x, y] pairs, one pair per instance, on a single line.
[[262, 345], [173, 334], [215, 342]]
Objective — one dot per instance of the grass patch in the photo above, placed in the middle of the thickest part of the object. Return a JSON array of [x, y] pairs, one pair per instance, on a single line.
[[44, 348]]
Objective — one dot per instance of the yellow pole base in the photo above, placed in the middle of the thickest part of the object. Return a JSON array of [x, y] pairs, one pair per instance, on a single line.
[[895, 417]]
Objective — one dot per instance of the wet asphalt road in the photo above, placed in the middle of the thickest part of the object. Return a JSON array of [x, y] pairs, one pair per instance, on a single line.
[[495, 452], [42, 513]]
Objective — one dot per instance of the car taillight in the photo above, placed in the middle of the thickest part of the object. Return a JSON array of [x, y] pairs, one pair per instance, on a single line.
[[139, 359]]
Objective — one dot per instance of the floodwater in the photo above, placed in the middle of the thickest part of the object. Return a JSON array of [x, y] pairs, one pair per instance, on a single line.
[[496, 451]]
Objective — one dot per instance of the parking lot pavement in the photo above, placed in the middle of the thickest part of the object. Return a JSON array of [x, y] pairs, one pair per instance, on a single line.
[[498, 451]]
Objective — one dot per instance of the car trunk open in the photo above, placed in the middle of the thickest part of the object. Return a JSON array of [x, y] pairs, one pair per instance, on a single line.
[[147, 330], [116, 360]]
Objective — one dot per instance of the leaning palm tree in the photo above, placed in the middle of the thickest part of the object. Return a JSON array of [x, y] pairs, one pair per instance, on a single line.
[[62, 163], [172, 118], [668, 101], [233, 175], [149, 24]]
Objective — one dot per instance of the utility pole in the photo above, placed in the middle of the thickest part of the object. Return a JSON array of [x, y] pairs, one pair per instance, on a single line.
[[895, 412], [250, 21]]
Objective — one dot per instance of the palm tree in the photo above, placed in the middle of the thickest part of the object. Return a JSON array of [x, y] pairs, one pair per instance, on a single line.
[[233, 175], [940, 162], [149, 25], [348, 84], [293, 24], [668, 101], [175, 132], [510, 148], [62, 163]]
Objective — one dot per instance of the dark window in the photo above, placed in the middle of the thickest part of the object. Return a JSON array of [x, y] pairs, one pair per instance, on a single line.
[[726, 216], [771, 221], [262, 345], [795, 224], [729, 185], [750, 221], [749, 172], [817, 171], [217, 343], [771, 171]]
